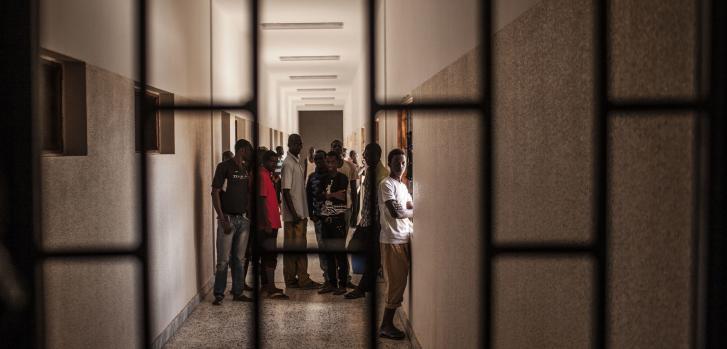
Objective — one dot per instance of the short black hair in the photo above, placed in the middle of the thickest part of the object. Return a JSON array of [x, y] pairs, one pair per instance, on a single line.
[[269, 154], [394, 152], [319, 152], [242, 143], [374, 148], [337, 141], [333, 154]]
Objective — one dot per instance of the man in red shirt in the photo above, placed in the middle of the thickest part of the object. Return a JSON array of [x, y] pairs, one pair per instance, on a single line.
[[268, 224]]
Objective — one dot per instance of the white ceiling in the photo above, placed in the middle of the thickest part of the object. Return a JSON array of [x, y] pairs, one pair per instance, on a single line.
[[346, 42]]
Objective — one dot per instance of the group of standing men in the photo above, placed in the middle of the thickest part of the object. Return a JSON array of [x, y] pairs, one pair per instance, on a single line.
[[326, 196]]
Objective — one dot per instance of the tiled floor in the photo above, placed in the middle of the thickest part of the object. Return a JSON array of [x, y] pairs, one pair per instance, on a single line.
[[306, 320]]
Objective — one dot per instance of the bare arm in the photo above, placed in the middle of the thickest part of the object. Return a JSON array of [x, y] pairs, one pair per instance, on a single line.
[[262, 214], [216, 202], [289, 205], [399, 212]]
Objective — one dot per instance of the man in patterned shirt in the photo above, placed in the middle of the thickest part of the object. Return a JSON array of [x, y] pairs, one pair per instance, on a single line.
[[333, 214]]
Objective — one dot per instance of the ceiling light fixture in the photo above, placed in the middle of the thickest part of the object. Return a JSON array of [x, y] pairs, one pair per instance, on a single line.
[[313, 77], [320, 89], [301, 25], [318, 98], [310, 58]]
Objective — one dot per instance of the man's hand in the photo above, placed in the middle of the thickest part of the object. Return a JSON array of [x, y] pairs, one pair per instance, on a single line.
[[226, 226], [314, 219], [409, 205], [340, 195]]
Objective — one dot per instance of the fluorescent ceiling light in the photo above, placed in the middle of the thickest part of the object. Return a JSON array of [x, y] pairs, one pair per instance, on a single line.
[[303, 25], [313, 77], [320, 89], [317, 98], [310, 58], [320, 105]]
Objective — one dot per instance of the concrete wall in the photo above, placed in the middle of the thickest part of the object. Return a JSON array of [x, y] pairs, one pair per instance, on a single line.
[[319, 128], [543, 158], [93, 200]]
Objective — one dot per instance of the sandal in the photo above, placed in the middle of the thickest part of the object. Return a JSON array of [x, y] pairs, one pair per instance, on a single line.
[[278, 295]]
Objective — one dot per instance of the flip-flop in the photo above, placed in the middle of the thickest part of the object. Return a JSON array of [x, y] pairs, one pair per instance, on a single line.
[[278, 295]]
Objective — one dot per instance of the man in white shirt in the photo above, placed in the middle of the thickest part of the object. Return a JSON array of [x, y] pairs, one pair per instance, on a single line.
[[395, 210], [295, 214]]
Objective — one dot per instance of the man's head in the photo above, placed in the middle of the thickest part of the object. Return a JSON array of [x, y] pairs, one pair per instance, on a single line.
[[279, 150], [372, 154], [295, 144], [244, 148], [397, 162], [320, 159], [227, 155], [270, 160], [311, 152], [332, 161], [352, 155], [337, 146]]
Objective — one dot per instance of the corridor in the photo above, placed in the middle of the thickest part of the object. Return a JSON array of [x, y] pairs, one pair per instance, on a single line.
[[306, 320], [545, 173]]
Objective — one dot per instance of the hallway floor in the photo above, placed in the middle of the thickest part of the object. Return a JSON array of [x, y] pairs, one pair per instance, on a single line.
[[306, 320]]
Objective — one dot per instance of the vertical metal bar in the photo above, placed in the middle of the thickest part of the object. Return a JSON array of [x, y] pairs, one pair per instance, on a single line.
[[716, 317], [486, 244], [372, 302], [600, 173], [19, 180], [254, 103], [141, 60]]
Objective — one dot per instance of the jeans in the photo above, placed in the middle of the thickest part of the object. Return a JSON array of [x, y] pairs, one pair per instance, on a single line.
[[231, 251], [334, 235], [295, 265], [321, 244], [373, 258]]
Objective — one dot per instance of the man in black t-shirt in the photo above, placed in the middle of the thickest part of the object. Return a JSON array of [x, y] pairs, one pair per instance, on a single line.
[[233, 228], [333, 215]]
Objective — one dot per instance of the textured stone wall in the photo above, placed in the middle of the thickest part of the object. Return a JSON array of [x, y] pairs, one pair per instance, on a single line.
[[91, 201], [543, 184]]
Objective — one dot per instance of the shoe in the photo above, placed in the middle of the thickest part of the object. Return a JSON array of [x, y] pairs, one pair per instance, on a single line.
[[218, 300], [292, 285], [241, 298], [310, 285], [350, 285], [356, 293], [327, 288], [392, 333], [339, 291]]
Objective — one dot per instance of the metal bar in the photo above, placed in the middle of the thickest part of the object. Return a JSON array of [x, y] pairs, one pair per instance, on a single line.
[[716, 307], [22, 325], [541, 249], [487, 245], [372, 302], [141, 59], [205, 107], [662, 106], [600, 173], [91, 253], [429, 106], [314, 250], [253, 109]]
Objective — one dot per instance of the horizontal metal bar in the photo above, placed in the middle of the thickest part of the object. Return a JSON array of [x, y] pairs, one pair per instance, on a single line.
[[312, 250], [542, 249], [90, 253], [194, 107], [468, 105], [672, 106]]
